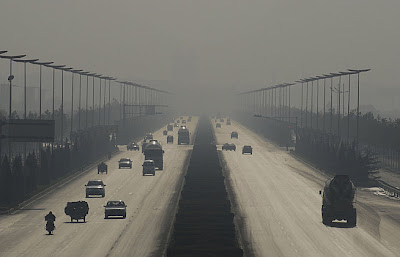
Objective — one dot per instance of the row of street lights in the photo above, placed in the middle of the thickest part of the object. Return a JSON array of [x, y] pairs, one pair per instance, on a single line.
[[124, 84], [278, 111]]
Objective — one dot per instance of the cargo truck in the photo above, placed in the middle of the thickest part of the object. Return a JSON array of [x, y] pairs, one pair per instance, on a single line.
[[338, 200], [183, 136], [154, 151]]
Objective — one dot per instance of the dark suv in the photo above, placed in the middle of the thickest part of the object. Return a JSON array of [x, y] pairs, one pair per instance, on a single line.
[[247, 149]]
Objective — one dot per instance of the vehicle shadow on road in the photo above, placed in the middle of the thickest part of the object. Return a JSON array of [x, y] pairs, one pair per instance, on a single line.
[[340, 225], [33, 209]]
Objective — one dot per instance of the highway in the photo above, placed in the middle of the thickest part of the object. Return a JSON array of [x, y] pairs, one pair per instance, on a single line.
[[151, 202], [278, 207]]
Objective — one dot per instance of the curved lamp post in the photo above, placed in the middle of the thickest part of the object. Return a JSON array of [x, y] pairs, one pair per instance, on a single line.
[[25, 62], [40, 85], [11, 77]]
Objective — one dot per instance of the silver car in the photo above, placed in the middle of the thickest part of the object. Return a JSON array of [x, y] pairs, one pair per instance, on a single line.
[[125, 162], [95, 187], [115, 208]]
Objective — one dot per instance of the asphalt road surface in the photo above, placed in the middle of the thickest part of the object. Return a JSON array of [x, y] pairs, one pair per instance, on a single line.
[[151, 202], [278, 206]]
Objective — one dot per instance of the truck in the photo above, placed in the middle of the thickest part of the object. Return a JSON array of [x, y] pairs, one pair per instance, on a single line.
[[183, 135], [77, 210], [338, 201], [154, 151]]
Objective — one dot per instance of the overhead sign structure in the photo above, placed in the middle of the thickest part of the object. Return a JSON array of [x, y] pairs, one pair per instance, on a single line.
[[29, 130]]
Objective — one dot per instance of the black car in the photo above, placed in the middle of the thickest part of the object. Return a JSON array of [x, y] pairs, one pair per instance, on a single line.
[[230, 147], [247, 149], [218, 125], [132, 147], [115, 208], [170, 139], [148, 136], [125, 163], [165, 132], [234, 134]]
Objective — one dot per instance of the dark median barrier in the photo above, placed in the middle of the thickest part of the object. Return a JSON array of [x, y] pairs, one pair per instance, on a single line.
[[204, 223]]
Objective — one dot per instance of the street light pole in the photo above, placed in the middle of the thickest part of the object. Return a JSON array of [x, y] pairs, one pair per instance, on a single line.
[[54, 67], [11, 77], [62, 102], [25, 62], [358, 100], [40, 85]]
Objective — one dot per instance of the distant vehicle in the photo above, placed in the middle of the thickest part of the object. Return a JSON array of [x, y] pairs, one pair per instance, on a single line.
[[218, 125], [234, 134], [102, 167], [170, 127], [178, 121], [95, 187], [115, 208], [149, 167], [337, 201], [176, 125], [154, 151], [221, 120], [148, 136], [165, 132], [170, 139], [247, 149], [183, 136], [144, 144], [183, 121], [132, 147], [125, 163], [230, 147], [77, 210]]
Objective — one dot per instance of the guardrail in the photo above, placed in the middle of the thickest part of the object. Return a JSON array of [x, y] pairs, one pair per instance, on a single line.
[[391, 190]]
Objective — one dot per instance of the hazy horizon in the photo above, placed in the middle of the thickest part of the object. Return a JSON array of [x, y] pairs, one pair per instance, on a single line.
[[204, 45]]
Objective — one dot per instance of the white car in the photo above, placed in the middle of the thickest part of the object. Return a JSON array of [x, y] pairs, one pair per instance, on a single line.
[[149, 167]]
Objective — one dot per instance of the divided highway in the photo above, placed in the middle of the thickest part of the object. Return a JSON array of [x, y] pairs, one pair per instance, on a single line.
[[151, 202], [278, 207]]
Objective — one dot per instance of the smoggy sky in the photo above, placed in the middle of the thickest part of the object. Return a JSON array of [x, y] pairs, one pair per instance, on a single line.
[[207, 44]]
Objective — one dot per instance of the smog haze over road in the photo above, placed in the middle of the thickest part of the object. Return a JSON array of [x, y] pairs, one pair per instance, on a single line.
[[247, 108], [230, 45]]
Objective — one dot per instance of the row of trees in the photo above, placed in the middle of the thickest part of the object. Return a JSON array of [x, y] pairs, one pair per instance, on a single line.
[[322, 148], [335, 156], [82, 119], [20, 179]]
